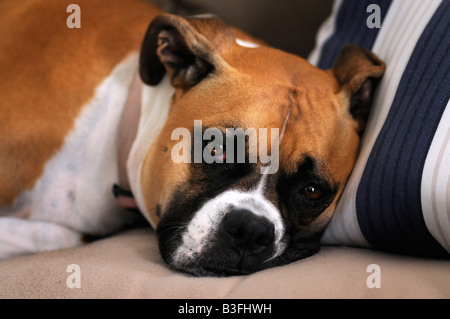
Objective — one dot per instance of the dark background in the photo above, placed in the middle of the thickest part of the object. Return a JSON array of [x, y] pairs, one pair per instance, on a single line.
[[290, 25]]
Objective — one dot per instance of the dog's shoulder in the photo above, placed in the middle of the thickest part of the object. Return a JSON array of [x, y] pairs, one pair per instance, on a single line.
[[49, 71]]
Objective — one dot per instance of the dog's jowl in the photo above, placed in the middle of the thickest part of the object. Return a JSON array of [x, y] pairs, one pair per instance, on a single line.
[[251, 200]]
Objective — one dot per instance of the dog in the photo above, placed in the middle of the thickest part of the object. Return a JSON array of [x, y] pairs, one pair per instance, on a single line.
[[86, 110]]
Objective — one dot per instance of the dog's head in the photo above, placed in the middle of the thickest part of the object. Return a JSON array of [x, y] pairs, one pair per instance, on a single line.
[[258, 144]]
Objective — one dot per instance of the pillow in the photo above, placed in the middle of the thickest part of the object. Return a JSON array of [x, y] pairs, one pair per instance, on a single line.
[[398, 196]]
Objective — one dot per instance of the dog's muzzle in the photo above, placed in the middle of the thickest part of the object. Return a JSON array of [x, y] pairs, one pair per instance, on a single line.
[[234, 233]]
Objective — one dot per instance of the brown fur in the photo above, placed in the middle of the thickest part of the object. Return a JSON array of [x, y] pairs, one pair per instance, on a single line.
[[53, 72], [48, 72], [263, 85]]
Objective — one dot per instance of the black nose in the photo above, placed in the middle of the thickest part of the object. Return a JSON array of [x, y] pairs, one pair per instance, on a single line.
[[246, 232]]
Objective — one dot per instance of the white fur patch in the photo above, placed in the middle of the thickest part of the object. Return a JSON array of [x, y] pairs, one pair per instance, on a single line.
[[74, 195]]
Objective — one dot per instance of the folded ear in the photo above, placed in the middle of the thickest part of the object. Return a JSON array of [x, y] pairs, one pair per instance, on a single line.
[[182, 48], [357, 71]]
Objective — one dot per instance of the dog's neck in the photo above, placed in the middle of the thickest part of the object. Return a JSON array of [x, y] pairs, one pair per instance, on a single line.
[[128, 128], [145, 112], [127, 133]]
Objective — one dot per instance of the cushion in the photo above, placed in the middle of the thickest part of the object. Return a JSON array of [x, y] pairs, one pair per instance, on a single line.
[[398, 196], [128, 265]]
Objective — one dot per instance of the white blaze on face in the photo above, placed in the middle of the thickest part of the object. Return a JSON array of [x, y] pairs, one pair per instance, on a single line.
[[205, 224]]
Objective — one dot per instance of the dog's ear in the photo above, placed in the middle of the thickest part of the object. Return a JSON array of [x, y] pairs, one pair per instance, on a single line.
[[189, 50], [357, 71]]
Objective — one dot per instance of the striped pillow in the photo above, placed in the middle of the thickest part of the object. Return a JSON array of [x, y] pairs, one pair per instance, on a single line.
[[398, 196]]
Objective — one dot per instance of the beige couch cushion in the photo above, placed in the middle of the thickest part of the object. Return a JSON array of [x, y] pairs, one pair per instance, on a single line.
[[128, 265]]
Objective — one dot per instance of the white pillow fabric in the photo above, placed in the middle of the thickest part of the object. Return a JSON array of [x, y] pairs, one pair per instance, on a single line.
[[398, 196]]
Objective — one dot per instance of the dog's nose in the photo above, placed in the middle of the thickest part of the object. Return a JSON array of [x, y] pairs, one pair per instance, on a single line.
[[246, 232]]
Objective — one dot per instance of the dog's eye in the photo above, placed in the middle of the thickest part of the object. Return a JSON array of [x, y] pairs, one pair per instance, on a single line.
[[216, 150], [312, 192]]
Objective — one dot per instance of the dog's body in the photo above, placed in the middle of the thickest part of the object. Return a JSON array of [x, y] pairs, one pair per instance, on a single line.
[[74, 123], [63, 91]]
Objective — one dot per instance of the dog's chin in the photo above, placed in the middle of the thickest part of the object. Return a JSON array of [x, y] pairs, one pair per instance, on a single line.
[[204, 265]]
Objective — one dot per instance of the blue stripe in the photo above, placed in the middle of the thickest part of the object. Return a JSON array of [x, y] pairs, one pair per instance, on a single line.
[[351, 27], [388, 201]]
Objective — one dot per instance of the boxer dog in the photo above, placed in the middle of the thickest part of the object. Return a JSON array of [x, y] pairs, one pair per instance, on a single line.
[[88, 109]]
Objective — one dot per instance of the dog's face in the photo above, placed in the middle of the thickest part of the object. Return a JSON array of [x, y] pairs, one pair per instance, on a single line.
[[236, 215]]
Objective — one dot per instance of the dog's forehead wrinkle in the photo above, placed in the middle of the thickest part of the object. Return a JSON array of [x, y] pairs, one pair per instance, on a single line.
[[292, 98], [288, 115], [309, 101]]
